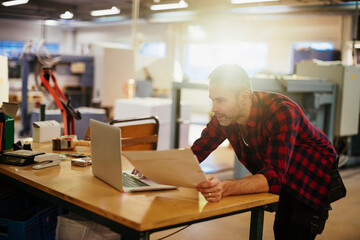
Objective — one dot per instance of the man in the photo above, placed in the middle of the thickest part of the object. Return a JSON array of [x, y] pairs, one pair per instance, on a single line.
[[272, 137]]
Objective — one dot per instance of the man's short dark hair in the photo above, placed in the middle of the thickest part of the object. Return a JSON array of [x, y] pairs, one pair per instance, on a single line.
[[233, 76]]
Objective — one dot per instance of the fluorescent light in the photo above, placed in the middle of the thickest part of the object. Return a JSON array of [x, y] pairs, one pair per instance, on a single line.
[[181, 4], [51, 23], [112, 11], [251, 1], [67, 15], [178, 16], [14, 2], [263, 9], [109, 19]]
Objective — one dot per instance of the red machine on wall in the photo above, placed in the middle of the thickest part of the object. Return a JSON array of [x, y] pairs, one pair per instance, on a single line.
[[69, 114]]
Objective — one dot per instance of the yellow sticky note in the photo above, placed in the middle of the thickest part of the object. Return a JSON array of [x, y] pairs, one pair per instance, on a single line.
[[353, 76]]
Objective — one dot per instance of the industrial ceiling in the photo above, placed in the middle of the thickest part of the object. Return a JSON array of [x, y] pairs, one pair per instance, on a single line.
[[51, 9]]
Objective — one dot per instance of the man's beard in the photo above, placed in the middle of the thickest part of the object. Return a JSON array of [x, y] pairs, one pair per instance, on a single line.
[[226, 120]]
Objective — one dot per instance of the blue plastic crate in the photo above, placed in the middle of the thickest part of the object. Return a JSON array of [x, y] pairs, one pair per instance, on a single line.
[[14, 204], [40, 223]]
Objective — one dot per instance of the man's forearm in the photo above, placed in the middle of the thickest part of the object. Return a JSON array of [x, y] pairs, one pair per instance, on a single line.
[[251, 184]]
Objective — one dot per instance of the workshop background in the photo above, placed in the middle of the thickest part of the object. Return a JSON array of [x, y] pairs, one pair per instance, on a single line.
[[148, 57]]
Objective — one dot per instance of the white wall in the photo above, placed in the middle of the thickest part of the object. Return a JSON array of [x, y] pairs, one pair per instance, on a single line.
[[68, 41], [119, 33], [4, 81], [278, 32], [19, 30], [25, 30]]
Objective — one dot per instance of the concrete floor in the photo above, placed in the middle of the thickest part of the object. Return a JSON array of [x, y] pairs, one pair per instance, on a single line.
[[343, 223]]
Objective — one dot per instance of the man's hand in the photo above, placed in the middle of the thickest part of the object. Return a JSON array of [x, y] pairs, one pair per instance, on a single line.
[[212, 189], [136, 172]]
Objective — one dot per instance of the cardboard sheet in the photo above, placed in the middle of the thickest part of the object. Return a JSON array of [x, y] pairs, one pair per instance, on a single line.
[[178, 167]]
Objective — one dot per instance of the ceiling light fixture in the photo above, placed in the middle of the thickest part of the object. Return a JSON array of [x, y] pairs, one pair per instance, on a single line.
[[114, 10], [51, 23], [67, 15], [14, 2], [181, 4], [251, 1]]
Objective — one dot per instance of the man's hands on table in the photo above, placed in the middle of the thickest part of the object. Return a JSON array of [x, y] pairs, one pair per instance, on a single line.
[[213, 189]]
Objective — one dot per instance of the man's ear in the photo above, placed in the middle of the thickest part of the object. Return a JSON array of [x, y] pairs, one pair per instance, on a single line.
[[244, 97]]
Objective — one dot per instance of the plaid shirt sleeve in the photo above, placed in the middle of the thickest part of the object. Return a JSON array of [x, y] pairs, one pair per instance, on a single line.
[[282, 126], [211, 137]]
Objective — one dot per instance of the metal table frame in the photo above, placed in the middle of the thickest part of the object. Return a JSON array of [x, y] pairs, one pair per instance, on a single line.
[[256, 224]]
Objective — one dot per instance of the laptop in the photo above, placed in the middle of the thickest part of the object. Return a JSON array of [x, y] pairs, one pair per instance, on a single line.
[[106, 160]]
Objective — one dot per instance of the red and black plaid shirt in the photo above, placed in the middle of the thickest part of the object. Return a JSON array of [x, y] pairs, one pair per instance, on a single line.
[[283, 145]]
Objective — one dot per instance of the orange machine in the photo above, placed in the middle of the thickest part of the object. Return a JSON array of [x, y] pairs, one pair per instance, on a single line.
[[69, 114]]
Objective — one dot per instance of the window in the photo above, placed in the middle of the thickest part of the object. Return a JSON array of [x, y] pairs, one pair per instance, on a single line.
[[52, 47], [11, 48], [14, 48], [153, 49], [313, 50], [319, 46], [201, 59]]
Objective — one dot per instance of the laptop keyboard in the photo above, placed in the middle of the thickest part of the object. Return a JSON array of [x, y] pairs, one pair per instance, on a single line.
[[130, 181]]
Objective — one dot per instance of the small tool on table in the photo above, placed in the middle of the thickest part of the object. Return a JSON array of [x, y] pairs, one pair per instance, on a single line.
[[47, 160]]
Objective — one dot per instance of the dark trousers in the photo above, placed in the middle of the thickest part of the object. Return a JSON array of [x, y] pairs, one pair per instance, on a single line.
[[294, 220]]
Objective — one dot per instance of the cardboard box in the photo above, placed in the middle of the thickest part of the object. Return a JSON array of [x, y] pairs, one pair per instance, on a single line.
[[77, 67], [45, 131], [75, 227]]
